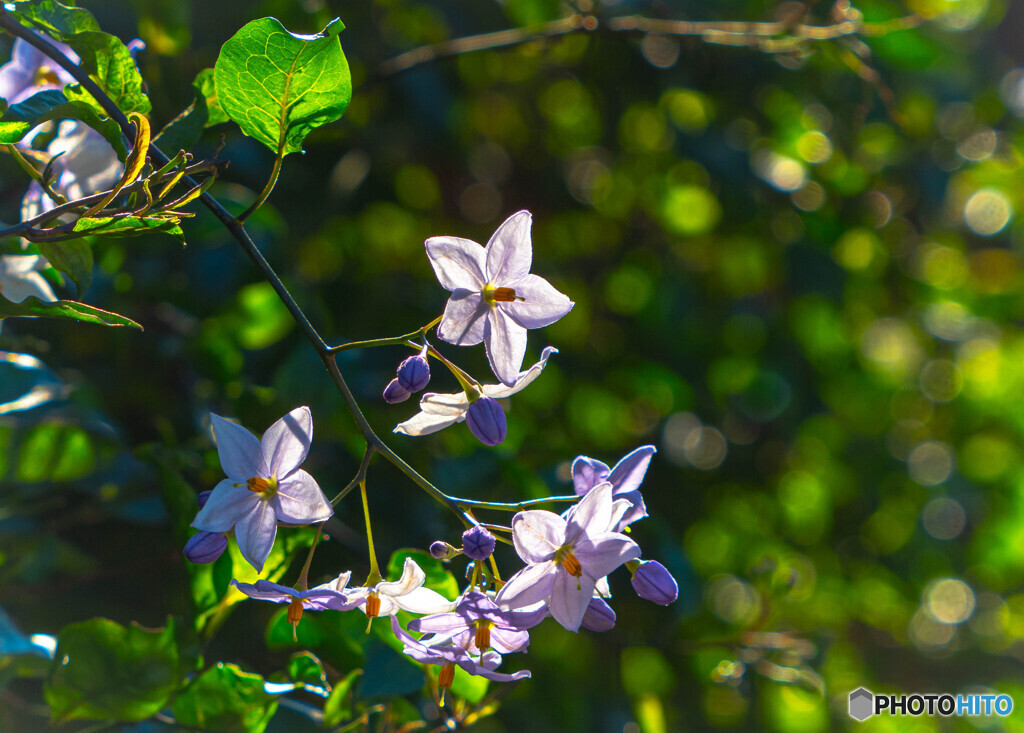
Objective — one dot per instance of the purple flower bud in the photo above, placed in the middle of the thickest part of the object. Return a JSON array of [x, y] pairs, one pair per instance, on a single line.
[[653, 582], [442, 551], [395, 392], [203, 497], [477, 543], [414, 373], [599, 616], [205, 547], [486, 420]]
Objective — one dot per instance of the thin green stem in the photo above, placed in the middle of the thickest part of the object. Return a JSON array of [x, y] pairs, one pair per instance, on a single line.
[[511, 506], [303, 582], [374, 577], [359, 477], [393, 341], [378, 445], [265, 193]]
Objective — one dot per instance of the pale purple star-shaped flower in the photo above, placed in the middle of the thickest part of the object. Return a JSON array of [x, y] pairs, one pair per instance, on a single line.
[[494, 298], [387, 598], [438, 411], [450, 655], [478, 624], [625, 478], [566, 557], [30, 71], [264, 485]]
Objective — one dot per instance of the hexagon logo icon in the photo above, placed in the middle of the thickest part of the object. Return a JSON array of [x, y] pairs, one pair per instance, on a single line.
[[861, 704]]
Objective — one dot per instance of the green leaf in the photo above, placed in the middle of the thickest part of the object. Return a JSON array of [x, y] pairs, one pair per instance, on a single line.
[[279, 86], [108, 62], [74, 258], [225, 698], [54, 18], [184, 131], [438, 577], [113, 672], [206, 86], [338, 707], [18, 119], [305, 669], [337, 638], [69, 309], [131, 226]]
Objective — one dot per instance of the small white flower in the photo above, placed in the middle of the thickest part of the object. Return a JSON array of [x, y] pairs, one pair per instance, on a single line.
[[406, 594], [495, 299]]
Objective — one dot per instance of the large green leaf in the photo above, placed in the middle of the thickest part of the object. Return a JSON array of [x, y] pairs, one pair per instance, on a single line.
[[107, 671], [54, 18], [278, 86], [18, 119], [68, 309], [225, 698], [109, 63], [73, 258]]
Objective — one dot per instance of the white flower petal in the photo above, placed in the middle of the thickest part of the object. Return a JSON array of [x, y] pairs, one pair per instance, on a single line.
[[412, 578], [424, 423], [449, 405], [537, 534], [464, 319], [592, 514], [570, 596], [255, 534], [19, 278], [239, 450], [505, 342], [458, 263], [225, 507], [300, 500], [287, 441], [498, 391], [510, 251], [543, 304], [529, 586], [424, 601]]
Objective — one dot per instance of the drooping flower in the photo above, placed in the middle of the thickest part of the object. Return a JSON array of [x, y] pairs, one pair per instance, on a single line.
[[20, 278], [329, 595], [264, 484], [478, 624], [387, 598], [30, 71], [566, 557], [494, 297], [653, 582], [450, 655], [625, 478], [438, 411]]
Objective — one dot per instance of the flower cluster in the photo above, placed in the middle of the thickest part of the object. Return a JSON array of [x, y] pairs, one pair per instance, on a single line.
[[567, 557]]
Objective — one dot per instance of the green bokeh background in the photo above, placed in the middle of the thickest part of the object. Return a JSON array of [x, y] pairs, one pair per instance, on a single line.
[[797, 274]]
